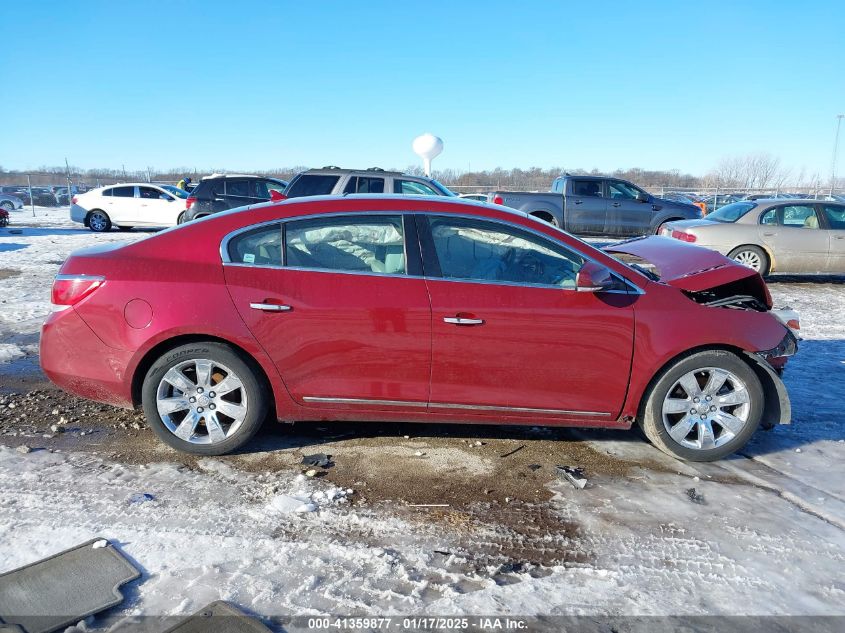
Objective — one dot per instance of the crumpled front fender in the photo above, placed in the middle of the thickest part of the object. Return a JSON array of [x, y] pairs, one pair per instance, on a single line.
[[778, 409]]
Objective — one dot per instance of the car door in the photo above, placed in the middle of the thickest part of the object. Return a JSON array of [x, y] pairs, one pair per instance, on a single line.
[[123, 206], [586, 207], [627, 213], [835, 216], [340, 309], [793, 234], [156, 208], [511, 334]]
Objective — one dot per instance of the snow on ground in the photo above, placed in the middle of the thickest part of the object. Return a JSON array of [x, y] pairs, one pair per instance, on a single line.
[[760, 533]]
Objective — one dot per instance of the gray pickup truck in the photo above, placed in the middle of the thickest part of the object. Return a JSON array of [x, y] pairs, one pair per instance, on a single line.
[[597, 205]]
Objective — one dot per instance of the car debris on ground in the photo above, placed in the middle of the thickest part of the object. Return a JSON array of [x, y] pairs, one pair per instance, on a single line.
[[575, 476]]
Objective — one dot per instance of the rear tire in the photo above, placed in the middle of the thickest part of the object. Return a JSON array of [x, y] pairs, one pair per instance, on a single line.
[[99, 221], [752, 256], [184, 410], [181, 218], [545, 217], [8, 206], [703, 407]]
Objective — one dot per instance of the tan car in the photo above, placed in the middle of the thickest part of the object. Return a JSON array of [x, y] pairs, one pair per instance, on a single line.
[[772, 236]]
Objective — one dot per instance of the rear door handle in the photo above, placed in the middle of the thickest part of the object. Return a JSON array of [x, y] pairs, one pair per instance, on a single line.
[[617, 204], [839, 237], [769, 234], [270, 307], [463, 321], [578, 201]]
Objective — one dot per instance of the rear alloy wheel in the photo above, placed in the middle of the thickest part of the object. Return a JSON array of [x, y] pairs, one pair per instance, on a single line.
[[752, 256], [204, 398], [181, 218], [99, 222], [704, 407]]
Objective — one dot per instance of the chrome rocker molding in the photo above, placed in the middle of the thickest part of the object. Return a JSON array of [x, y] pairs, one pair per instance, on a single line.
[[445, 405]]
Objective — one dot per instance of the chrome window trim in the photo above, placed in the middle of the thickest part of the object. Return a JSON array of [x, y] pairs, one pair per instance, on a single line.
[[450, 405], [75, 277], [226, 260]]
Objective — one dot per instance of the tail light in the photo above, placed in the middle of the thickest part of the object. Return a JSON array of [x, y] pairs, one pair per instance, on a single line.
[[69, 290], [684, 237], [498, 200], [793, 324], [189, 202], [73, 200]]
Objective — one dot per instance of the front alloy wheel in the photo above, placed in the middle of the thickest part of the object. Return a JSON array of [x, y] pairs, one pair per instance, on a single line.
[[204, 399], [707, 408], [703, 406]]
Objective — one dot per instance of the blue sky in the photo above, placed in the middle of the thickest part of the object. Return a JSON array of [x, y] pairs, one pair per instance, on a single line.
[[257, 85]]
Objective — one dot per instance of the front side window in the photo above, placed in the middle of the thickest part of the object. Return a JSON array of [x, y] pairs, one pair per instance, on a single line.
[[835, 216], [149, 193], [476, 250], [123, 192], [621, 190], [412, 188], [261, 246], [586, 188], [352, 244], [311, 185], [801, 216]]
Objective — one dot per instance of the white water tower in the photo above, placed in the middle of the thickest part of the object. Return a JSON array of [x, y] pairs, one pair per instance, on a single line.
[[428, 147]]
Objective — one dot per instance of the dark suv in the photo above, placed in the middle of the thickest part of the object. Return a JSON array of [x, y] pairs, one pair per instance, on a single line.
[[220, 192], [337, 181]]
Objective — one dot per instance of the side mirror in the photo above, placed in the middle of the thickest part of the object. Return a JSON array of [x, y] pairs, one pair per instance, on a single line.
[[642, 196], [594, 278], [277, 196]]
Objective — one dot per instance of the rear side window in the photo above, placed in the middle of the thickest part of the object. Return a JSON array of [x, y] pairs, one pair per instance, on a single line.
[[352, 244], [801, 216], [237, 188], [835, 216], [413, 188], [311, 185], [588, 188], [363, 184], [261, 246], [124, 192]]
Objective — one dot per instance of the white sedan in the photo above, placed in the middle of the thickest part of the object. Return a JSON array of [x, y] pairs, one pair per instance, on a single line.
[[128, 205]]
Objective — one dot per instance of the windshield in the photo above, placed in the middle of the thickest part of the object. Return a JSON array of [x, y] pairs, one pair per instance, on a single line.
[[731, 212], [179, 193]]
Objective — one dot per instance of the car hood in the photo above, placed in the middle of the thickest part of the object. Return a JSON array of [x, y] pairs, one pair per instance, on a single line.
[[688, 267]]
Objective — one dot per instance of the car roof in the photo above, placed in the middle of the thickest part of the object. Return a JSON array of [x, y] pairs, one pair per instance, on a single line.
[[777, 201], [370, 170]]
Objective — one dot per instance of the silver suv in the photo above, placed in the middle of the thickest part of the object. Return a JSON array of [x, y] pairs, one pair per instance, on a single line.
[[337, 181]]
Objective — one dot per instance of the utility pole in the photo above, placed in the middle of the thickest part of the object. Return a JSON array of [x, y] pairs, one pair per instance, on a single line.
[[839, 118], [31, 199], [67, 175]]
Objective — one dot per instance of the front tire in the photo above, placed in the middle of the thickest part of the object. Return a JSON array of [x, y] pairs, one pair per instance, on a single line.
[[752, 256], [703, 407], [8, 206], [99, 221], [203, 398], [181, 218]]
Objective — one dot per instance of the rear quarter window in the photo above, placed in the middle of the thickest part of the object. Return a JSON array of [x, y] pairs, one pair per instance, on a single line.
[[259, 247], [311, 185]]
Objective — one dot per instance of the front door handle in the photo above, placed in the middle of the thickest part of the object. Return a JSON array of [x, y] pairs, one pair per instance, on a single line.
[[839, 237], [457, 320], [768, 234], [617, 204], [579, 201], [270, 307]]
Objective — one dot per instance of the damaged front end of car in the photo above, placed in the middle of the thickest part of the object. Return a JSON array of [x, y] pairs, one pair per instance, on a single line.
[[710, 279]]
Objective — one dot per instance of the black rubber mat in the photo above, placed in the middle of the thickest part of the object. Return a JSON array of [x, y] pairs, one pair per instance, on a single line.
[[220, 617], [61, 590]]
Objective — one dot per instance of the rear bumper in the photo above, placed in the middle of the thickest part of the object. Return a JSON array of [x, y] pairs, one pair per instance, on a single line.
[[77, 213], [75, 359]]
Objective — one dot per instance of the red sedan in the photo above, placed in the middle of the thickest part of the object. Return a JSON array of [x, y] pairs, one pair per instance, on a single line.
[[416, 309]]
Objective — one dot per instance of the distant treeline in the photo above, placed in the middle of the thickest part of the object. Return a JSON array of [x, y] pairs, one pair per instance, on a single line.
[[741, 172]]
